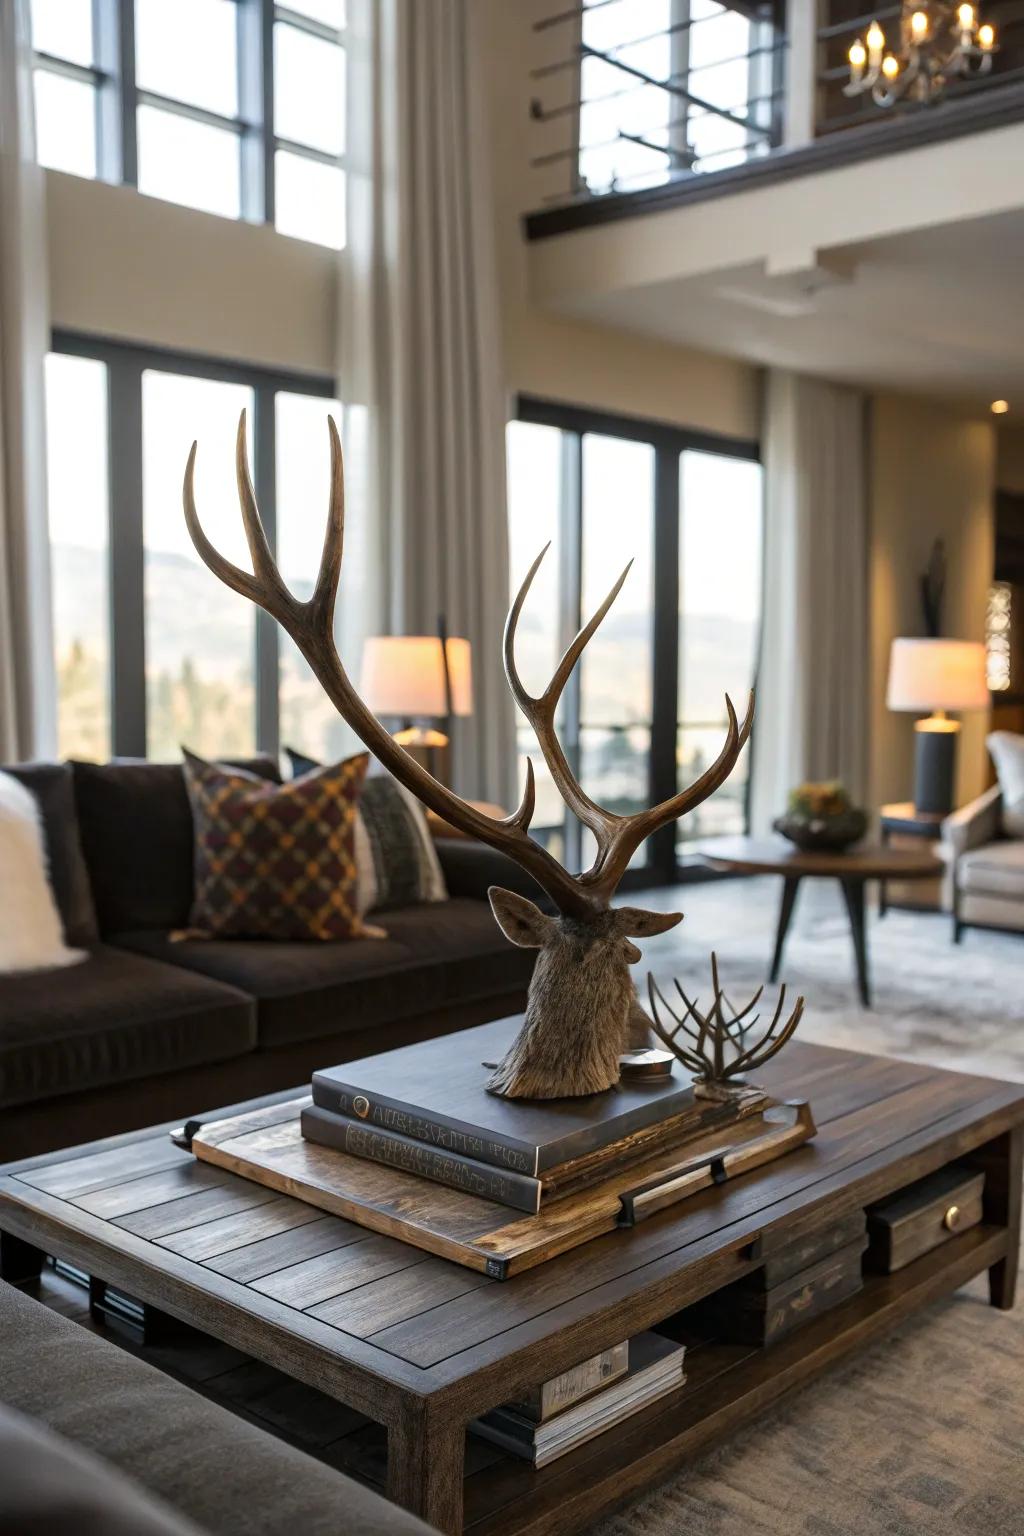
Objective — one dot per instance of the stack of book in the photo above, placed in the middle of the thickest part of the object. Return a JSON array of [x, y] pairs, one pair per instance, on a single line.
[[572, 1408], [424, 1109]]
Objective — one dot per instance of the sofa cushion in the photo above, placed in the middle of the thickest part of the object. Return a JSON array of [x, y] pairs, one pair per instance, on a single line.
[[997, 869], [50, 1485], [54, 788], [433, 955], [113, 1018], [228, 1476], [136, 828]]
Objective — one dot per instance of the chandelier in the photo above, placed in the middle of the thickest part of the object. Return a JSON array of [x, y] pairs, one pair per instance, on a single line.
[[937, 40]]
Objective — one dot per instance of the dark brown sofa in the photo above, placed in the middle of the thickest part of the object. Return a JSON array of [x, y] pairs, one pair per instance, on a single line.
[[213, 1473], [148, 1028]]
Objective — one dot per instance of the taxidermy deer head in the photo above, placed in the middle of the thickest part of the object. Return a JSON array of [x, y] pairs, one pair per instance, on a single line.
[[582, 1004]]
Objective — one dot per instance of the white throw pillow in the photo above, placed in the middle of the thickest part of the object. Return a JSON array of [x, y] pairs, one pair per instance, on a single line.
[[1007, 749], [31, 935]]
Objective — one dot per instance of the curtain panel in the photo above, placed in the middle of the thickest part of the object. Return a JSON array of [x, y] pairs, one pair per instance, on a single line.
[[813, 678], [419, 357], [28, 715]]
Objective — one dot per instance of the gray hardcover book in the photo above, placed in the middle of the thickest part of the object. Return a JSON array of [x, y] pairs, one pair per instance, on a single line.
[[517, 1190], [436, 1092]]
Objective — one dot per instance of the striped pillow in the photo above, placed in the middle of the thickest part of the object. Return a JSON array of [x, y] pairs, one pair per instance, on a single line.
[[395, 854]]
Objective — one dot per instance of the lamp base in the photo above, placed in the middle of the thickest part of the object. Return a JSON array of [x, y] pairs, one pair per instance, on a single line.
[[934, 767]]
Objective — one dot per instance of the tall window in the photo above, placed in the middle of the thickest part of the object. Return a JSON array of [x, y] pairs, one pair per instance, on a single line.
[[153, 652], [644, 712], [671, 87], [236, 107]]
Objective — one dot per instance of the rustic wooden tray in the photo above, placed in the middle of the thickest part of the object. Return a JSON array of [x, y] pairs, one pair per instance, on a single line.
[[267, 1146]]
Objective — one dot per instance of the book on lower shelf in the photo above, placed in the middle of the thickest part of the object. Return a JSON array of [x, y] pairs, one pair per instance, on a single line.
[[554, 1396], [655, 1368]]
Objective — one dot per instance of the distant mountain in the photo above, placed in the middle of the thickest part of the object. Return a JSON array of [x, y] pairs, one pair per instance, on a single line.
[[192, 618]]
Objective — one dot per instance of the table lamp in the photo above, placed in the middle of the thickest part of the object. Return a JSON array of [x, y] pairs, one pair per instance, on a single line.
[[930, 677], [418, 678]]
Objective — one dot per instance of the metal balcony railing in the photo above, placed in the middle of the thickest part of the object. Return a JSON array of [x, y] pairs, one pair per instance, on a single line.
[[634, 93], [630, 95]]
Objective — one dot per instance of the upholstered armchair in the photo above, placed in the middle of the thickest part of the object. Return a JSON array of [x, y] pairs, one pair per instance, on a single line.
[[986, 866]]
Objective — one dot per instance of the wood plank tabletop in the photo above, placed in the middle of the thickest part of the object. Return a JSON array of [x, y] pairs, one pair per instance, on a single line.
[[360, 1314]]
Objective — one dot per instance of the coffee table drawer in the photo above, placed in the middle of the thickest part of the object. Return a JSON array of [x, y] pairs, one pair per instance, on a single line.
[[923, 1216]]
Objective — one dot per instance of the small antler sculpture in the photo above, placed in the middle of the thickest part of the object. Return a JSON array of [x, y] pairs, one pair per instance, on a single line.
[[582, 1008], [715, 1047]]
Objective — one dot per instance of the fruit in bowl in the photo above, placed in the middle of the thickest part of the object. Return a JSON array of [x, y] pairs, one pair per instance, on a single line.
[[821, 816]]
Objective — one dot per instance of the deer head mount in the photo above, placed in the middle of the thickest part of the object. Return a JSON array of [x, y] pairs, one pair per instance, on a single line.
[[715, 1044], [581, 1005]]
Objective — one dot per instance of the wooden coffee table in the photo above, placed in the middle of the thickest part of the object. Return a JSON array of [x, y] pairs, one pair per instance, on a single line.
[[421, 1346], [853, 869]]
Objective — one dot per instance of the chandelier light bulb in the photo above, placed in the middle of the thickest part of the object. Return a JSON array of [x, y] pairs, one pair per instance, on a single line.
[[965, 16], [919, 26], [1000, 407], [876, 39], [890, 66], [986, 37], [858, 55]]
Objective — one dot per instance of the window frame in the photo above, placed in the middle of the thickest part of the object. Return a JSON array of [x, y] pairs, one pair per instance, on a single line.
[[126, 363], [668, 443], [118, 97]]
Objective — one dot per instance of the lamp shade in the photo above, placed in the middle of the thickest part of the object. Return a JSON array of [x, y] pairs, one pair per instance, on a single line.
[[404, 675], [937, 674]]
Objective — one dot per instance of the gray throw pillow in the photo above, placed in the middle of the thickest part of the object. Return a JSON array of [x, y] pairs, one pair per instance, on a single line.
[[396, 859], [1007, 749], [49, 1486]]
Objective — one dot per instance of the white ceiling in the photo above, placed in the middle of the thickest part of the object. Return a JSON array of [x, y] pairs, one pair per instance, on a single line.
[[938, 312]]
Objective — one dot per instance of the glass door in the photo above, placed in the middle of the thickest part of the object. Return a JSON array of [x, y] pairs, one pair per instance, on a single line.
[[644, 712], [719, 623], [616, 670]]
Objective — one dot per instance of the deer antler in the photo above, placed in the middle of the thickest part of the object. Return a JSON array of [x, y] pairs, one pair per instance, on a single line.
[[311, 625], [618, 837], [714, 1026]]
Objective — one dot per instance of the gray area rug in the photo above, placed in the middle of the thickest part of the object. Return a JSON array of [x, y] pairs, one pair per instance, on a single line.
[[958, 1006], [923, 1433]]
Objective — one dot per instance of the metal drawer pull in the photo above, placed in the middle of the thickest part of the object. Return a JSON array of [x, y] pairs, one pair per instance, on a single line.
[[951, 1220]]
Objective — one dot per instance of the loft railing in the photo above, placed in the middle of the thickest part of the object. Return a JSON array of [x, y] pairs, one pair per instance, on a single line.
[[634, 93], [630, 95]]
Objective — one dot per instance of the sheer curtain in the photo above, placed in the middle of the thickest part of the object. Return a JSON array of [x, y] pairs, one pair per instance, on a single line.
[[812, 705], [419, 356], [27, 682]]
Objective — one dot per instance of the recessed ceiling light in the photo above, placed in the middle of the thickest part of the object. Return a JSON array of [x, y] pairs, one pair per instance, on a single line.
[[1000, 407]]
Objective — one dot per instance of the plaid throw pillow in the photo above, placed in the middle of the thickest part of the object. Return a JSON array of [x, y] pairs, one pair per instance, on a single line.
[[275, 861], [395, 853]]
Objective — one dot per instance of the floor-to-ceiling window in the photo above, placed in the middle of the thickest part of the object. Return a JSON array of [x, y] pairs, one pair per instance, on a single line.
[[644, 712], [153, 652]]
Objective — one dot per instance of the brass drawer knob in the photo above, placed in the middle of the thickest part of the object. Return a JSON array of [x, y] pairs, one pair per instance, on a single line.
[[951, 1220]]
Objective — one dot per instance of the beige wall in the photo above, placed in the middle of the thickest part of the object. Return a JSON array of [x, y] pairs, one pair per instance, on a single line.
[[932, 475], [136, 269], [565, 359]]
